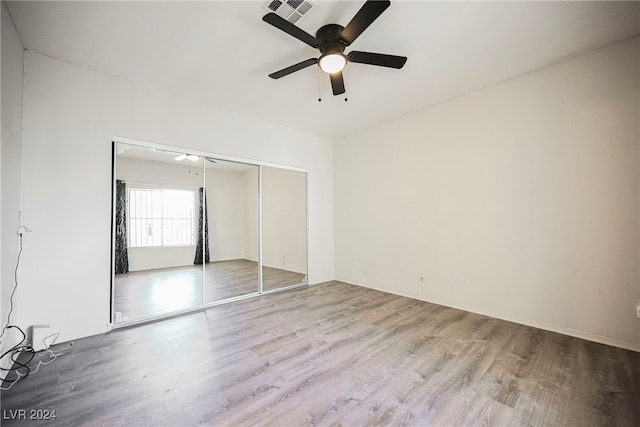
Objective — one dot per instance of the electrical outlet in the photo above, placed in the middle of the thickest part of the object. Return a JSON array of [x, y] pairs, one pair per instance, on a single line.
[[638, 311], [421, 276]]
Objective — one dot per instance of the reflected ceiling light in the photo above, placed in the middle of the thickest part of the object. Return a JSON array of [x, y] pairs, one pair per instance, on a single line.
[[332, 62], [181, 157]]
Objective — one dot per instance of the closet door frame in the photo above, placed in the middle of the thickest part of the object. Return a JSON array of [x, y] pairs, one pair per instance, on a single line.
[[204, 305]]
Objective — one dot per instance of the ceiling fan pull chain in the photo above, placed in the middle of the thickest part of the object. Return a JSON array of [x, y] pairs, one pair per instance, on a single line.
[[319, 72], [344, 77]]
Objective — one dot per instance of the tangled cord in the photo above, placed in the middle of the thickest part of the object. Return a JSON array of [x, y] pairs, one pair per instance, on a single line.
[[21, 367]]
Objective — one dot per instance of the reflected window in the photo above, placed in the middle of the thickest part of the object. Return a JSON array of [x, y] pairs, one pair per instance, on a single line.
[[160, 217]]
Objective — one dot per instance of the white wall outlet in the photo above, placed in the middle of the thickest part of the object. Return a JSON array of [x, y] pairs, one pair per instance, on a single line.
[[638, 311], [421, 276]]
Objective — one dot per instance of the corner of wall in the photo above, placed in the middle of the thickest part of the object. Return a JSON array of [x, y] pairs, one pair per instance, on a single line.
[[10, 166], [637, 39]]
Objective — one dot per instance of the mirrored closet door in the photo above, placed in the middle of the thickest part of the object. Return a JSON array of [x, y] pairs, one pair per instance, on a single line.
[[192, 229], [158, 246], [232, 206], [284, 225]]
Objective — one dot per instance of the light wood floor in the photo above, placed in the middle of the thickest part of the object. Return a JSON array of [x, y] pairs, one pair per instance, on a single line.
[[143, 294], [335, 354]]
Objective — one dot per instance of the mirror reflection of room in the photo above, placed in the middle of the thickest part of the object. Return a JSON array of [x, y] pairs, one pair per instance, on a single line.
[[187, 231], [284, 224], [156, 233], [231, 269]]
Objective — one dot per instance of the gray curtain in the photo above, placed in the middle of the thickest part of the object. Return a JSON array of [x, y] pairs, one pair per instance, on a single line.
[[122, 256], [202, 256]]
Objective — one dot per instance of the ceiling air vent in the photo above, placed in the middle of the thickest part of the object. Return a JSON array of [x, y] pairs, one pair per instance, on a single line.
[[291, 10]]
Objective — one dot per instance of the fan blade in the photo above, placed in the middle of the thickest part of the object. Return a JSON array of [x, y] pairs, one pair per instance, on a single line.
[[381, 59], [286, 26], [368, 13], [293, 68], [180, 158], [337, 83]]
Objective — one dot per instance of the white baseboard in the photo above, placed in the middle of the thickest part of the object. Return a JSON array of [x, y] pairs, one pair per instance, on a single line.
[[627, 345]]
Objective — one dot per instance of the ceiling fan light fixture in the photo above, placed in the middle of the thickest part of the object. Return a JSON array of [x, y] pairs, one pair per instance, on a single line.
[[332, 62], [332, 39]]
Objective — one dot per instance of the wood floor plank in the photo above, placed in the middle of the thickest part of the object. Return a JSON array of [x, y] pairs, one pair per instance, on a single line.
[[148, 293], [333, 354]]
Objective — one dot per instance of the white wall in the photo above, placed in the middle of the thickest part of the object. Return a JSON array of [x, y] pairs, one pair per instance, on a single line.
[[71, 116], [228, 194], [284, 219], [251, 243], [12, 60], [284, 207], [520, 201]]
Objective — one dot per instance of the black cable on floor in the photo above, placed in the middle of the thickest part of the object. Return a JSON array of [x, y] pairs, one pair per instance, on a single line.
[[14, 354]]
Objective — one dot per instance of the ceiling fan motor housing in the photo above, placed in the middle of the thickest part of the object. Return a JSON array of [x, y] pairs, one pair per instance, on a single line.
[[329, 40]]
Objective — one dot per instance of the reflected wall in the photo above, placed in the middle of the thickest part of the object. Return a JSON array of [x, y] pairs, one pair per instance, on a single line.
[[232, 208], [284, 222]]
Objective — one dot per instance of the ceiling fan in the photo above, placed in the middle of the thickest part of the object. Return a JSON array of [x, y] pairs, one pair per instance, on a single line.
[[192, 157], [332, 39]]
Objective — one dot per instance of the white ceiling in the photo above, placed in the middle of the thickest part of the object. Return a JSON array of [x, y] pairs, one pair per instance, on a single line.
[[220, 52]]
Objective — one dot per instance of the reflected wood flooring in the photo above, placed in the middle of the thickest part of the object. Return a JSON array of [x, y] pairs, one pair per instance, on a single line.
[[334, 354], [143, 294]]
